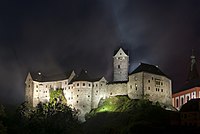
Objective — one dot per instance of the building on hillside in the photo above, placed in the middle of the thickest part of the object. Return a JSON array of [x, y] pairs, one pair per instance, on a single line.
[[191, 88], [84, 93]]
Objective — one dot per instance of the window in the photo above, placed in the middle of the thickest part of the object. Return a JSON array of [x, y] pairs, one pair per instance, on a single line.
[[120, 53], [149, 81], [176, 102], [78, 90], [36, 86], [83, 84], [157, 82], [29, 86], [97, 91], [110, 93], [89, 85], [161, 90], [148, 88], [77, 95], [101, 85], [96, 85], [76, 101], [135, 86], [118, 66], [88, 95], [182, 100], [188, 98], [77, 84], [46, 86], [36, 90], [130, 86]]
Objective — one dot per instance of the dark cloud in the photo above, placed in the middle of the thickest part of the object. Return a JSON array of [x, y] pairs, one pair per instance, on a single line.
[[57, 36]]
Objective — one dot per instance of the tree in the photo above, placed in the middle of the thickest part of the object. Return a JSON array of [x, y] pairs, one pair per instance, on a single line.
[[57, 96], [47, 118]]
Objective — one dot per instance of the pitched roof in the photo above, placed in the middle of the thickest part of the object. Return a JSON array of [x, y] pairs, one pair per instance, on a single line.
[[83, 76], [192, 105], [125, 51], [143, 67], [40, 77]]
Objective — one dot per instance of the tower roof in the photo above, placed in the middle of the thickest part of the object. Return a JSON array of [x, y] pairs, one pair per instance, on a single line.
[[193, 79], [121, 50], [143, 67], [193, 72]]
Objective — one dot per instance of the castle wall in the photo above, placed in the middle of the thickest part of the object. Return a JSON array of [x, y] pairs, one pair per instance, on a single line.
[[98, 92], [135, 86], [81, 97], [150, 86], [121, 68], [116, 89], [29, 89], [157, 88]]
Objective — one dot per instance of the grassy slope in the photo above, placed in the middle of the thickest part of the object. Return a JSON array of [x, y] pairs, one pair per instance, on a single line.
[[122, 115]]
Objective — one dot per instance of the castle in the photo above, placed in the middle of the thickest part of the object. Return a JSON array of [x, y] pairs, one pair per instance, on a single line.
[[84, 93]]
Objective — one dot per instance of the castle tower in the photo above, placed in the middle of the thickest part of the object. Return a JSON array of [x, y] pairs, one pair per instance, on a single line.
[[193, 73], [120, 65]]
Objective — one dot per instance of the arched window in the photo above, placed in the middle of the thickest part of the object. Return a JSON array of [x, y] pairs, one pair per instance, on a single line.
[[177, 103], [182, 100]]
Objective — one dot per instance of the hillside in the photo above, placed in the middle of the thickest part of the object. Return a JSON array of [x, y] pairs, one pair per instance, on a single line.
[[122, 115]]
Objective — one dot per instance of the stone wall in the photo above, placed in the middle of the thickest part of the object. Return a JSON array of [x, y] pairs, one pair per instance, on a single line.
[[157, 88], [150, 86], [120, 66], [98, 92], [115, 89], [135, 86], [81, 97]]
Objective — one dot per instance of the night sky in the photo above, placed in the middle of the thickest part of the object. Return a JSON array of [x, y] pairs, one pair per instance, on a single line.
[[56, 36]]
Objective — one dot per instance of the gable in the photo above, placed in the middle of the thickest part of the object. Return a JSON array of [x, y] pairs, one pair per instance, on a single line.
[[120, 53]]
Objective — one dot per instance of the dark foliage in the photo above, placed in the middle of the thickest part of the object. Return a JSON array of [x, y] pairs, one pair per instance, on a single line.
[[47, 118]]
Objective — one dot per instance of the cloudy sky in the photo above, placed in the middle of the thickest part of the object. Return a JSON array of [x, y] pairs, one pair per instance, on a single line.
[[56, 36]]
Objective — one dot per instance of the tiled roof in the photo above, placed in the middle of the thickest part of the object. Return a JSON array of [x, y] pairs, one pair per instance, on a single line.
[[38, 76], [143, 67], [83, 76]]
